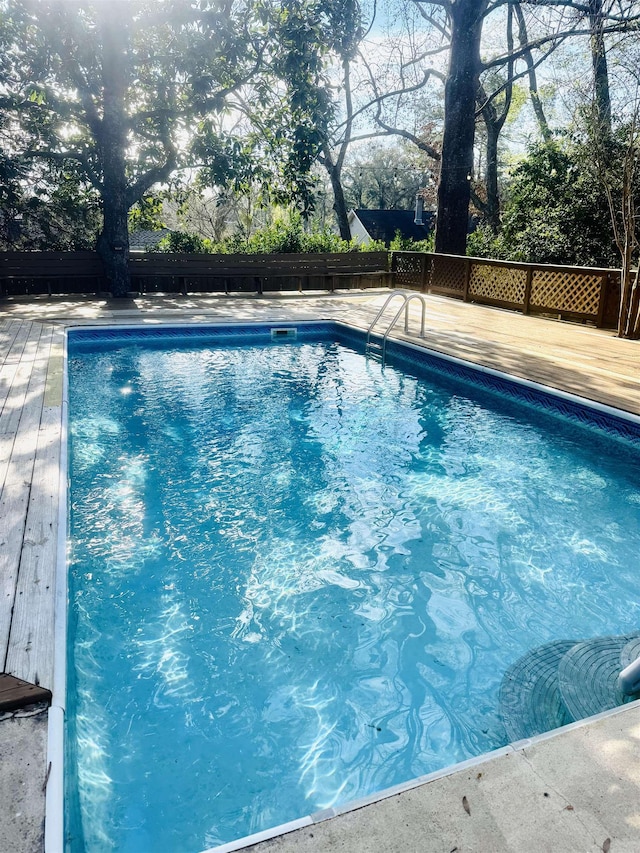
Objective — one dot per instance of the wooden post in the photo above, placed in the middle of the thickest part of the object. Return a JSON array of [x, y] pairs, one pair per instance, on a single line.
[[602, 302], [467, 277], [527, 290], [423, 273]]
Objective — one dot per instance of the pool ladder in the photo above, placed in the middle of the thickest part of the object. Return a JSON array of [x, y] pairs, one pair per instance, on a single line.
[[373, 347]]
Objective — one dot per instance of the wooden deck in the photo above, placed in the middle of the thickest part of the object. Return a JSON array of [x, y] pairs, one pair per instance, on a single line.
[[30, 431], [579, 359], [16, 693]]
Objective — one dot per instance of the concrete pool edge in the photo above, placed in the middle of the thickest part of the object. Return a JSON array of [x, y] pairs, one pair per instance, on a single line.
[[54, 834], [418, 782]]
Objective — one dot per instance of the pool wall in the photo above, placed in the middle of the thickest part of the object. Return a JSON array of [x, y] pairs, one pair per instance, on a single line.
[[614, 422], [587, 413]]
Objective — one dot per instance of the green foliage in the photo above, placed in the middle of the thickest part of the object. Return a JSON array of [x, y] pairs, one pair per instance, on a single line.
[[299, 113], [181, 241], [59, 213], [286, 110], [555, 211], [170, 69], [385, 177], [406, 244], [226, 160], [483, 243], [286, 235], [146, 214]]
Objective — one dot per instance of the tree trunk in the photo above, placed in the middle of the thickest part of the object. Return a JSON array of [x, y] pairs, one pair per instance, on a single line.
[[600, 69], [492, 213], [461, 89], [113, 242], [339, 203], [536, 103], [625, 287], [632, 329]]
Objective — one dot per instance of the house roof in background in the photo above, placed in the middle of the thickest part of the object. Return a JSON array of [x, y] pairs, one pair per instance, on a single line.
[[383, 224], [140, 241]]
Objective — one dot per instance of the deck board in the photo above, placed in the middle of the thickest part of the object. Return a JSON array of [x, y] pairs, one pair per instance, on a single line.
[[14, 383], [18, 434], [16, 693], [8, 333], [16, 338]]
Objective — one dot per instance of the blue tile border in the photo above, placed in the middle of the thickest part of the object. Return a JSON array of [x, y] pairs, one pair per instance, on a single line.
[[82, 338], [541, 399], [567, 406]]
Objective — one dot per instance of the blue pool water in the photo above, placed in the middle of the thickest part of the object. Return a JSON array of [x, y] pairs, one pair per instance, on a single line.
[[297, 578]]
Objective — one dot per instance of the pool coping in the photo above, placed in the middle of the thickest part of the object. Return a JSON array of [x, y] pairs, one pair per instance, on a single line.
[[462, 766], [54, 795], [54, 807]]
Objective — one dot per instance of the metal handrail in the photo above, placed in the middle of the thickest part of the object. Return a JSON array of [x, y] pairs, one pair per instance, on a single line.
[[407, 296], [406, 320], [402, 293]]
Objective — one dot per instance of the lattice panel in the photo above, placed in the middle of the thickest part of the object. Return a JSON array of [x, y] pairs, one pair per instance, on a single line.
[[499, 283], [448, 274], [573, 292], [408, 270]]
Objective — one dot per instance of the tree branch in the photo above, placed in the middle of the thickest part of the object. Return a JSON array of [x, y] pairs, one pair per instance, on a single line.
[[445, 4], [63, 156], [155, 175], [429, 18], [348, 125], [405, 134], [557, 36], [380, 98], [523, 37], [520, 74]]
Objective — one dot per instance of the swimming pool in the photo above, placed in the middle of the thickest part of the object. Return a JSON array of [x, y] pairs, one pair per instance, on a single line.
[[284, 556]]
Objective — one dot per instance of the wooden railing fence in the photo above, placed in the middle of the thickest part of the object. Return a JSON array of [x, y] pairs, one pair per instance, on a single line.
[[582, 293], [575, 293], [154, 272]]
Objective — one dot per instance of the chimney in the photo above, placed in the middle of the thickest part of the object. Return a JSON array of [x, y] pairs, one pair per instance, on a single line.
[[419, 210]]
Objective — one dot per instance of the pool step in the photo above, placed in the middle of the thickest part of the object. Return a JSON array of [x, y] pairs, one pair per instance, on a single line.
[[564, 681], [588, 673], [530, 699], [374, 349], [630, 653]]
